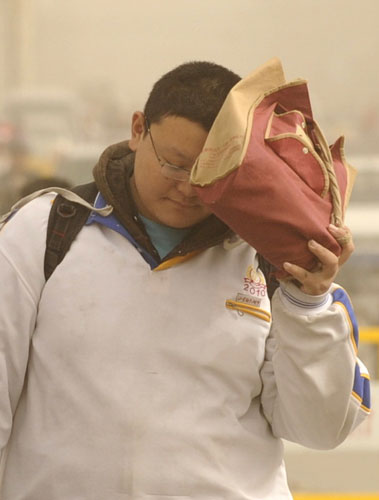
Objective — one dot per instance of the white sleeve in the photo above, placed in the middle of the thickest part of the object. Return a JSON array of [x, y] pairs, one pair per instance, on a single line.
[[315, 389], [22, 247]]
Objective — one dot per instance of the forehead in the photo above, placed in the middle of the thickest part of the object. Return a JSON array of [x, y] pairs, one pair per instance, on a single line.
[[175, 135]]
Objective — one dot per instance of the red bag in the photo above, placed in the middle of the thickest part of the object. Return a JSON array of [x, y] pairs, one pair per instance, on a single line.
[[268, 173]]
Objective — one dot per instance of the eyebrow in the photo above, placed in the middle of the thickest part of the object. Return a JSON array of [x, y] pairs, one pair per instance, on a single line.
[[174, 151]]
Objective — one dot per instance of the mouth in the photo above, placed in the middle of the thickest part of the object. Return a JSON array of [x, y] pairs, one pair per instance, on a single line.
[[184, 205]]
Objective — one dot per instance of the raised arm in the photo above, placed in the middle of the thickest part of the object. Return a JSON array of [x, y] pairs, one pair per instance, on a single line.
[[316, 390]]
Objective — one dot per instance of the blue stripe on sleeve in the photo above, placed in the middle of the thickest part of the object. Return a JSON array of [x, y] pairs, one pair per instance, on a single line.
[[361, 385], [361, 388], [339, 295]]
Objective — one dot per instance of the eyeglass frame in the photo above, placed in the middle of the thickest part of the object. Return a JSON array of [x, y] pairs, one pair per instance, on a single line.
[[168, 170]]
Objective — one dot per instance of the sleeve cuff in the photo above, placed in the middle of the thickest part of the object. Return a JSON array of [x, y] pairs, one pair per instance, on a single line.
[[294, 299]]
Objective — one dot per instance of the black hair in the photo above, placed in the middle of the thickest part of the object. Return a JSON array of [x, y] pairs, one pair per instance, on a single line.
[[194, 90]]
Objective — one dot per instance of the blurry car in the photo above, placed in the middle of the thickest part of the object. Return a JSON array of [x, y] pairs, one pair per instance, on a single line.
[[46, 122], [76, 164]]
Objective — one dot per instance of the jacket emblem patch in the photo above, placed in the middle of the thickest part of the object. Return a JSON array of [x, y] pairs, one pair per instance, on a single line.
[[254, 283], [249, 299]]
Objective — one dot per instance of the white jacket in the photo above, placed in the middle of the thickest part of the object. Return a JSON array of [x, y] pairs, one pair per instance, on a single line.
[[122, 383]]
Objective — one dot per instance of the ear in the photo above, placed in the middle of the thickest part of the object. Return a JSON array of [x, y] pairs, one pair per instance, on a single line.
[[138, 130]]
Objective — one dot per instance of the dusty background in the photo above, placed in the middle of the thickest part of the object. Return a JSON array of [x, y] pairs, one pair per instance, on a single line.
[[115, 50]]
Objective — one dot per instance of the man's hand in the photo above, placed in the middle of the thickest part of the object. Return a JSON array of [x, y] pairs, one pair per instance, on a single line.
[[318, 281]]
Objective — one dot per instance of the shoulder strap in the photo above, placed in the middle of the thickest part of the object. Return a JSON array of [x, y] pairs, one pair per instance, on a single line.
[[269, 273], [66, 219]]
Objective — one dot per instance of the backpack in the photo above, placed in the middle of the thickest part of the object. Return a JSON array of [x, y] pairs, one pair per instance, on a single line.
[[67, 218]]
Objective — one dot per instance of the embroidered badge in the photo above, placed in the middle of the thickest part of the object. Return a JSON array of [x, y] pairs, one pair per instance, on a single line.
[[254, 283], [249, 300]]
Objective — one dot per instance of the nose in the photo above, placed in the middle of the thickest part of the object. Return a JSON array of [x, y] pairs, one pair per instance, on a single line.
[[186, 189]]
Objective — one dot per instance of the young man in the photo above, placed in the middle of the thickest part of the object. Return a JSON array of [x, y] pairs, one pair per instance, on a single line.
[[137, 371]]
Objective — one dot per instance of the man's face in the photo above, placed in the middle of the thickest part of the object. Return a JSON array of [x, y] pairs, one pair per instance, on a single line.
[[178, 141]]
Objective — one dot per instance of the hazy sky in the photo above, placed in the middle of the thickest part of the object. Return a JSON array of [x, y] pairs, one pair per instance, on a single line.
[[125, 45]]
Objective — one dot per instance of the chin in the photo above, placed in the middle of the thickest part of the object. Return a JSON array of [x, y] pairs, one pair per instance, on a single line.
[[181, 222]]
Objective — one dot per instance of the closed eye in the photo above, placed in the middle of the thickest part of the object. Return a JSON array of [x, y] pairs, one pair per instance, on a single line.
[[175, 167]]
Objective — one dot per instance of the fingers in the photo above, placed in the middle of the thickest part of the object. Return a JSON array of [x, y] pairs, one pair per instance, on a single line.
[[301, 277], [344, 237], [317, 281], [311, 283], [328, 260]]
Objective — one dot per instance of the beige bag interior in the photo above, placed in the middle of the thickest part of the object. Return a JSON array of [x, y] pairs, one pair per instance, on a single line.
[[228, 138]]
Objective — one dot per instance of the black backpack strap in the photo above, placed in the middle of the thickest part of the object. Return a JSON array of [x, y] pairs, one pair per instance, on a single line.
[[66, 219], [269, 273]]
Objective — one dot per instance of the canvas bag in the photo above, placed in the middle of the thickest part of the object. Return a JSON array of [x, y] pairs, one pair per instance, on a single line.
[[267, 171]]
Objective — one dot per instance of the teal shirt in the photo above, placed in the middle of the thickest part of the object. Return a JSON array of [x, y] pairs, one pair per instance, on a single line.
[[164, 238]]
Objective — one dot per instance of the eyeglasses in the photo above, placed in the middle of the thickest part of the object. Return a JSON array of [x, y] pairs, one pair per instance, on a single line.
[[169, 170]]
